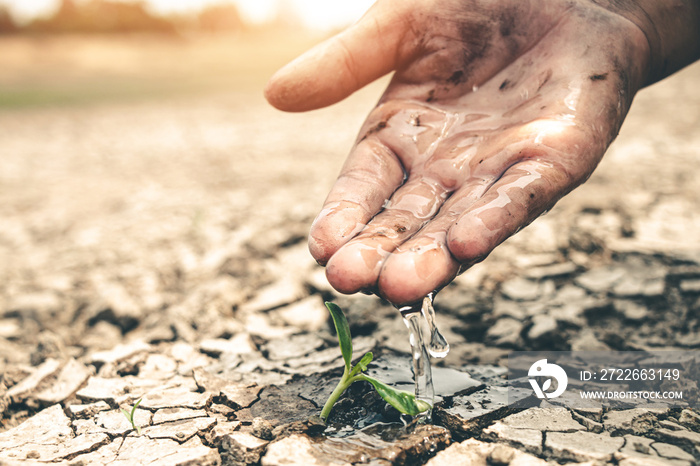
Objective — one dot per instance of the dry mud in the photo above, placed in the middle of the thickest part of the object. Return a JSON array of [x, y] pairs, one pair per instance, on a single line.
[[156, 251]]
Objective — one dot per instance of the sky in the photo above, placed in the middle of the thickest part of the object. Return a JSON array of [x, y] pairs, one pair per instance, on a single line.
[[317, 14]]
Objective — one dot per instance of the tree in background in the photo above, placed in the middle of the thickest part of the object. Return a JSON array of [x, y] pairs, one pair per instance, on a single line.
[[109, 16], [7, 25], [102, 16], [220, 18]]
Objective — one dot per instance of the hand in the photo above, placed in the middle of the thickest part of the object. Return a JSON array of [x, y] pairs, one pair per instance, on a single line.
[[496, 110]]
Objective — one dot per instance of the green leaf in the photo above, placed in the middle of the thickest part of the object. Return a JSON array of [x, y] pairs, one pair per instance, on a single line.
[[403, 401], [126, 413], [136, 405], [362, 364], [343, 330]]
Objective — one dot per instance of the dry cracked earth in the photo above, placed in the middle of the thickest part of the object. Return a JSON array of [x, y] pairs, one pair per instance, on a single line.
[[156, 251]]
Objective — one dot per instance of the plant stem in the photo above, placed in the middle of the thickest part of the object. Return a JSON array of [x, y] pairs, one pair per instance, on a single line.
[[348, 379], [339, 389]]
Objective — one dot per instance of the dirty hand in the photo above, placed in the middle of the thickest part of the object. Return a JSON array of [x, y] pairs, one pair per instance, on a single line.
[[495, 111]]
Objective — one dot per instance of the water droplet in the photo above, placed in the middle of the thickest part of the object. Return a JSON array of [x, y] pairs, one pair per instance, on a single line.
[[438, 347]]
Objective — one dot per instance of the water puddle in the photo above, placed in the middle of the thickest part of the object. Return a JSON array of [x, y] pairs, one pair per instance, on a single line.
[[447, 382]]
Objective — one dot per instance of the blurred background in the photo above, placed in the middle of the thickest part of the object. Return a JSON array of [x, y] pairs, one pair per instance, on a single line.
[[76, 51], [147, 189]]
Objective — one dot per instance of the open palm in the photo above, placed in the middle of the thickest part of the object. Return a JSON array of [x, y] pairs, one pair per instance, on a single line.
[[496, 110]]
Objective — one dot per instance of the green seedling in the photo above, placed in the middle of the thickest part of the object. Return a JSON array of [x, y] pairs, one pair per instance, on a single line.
[[404, 402], [130, 416]]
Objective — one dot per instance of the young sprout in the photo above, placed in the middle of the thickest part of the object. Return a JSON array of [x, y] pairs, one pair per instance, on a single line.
[[404, 402], [130, 416]]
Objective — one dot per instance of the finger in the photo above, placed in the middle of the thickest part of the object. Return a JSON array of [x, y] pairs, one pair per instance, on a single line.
[[524, 192], [356, 266], [424, 263], [369, 177], [344, 63]]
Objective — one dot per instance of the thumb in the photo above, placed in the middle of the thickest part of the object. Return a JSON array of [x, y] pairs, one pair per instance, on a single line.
[[336, 68]]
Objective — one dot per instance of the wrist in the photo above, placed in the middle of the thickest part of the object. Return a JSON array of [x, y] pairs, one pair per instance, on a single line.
[[671, 27]]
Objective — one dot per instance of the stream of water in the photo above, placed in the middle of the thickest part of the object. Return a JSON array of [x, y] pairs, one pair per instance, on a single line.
[[420, 321]]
